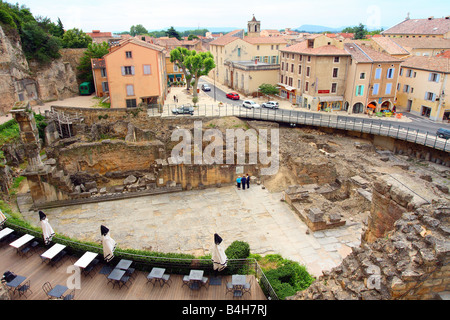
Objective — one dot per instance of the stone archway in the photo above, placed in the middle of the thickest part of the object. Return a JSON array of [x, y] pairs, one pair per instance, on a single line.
[[358, 108], [386, 105]]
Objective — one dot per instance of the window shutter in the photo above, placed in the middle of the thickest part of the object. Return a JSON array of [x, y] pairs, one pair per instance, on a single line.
[[388, 88], [123, 70], [430, 76], [438, 77], [132, 70]]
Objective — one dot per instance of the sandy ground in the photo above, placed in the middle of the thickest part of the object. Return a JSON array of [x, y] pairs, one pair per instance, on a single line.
[[79, 101]]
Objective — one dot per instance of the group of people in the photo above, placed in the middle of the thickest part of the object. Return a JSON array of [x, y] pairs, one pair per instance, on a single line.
[[244, 180]]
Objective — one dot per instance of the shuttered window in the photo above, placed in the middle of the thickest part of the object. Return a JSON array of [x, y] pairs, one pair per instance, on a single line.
[[148, 70], [127, 70], [130, 90]]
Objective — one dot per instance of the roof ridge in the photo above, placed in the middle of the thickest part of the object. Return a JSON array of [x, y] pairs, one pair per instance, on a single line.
[[363, 52]]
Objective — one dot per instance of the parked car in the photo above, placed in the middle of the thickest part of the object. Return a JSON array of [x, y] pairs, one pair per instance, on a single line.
[[206, 87], [443, 133], [185, 109], [233, 96], [270, 105], [250, 104]]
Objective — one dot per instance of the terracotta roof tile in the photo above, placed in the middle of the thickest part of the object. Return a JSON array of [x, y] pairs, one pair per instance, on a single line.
[[227, 38], [390, 45], [423, 43], [364, 53], [98, 63], [302, 47], [438, 64], [436, 26]]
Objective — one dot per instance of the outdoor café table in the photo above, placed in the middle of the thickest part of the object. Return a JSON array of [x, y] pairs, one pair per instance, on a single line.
[[156, 275], [196, 277], [86, 259], [5, 232], [53, 251], [21, 241], [238, 280], [115, 276], [124, 264], [57, 291], [14, 283]]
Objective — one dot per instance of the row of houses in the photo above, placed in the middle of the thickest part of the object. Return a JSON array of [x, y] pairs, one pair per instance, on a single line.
[[404, 69], [329, 72]]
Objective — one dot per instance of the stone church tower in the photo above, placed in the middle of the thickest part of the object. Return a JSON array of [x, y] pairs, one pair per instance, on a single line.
[[253, 28]]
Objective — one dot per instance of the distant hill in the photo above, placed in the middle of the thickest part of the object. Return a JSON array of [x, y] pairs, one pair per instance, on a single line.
[[316, 29], [319, 29], [213, 30]]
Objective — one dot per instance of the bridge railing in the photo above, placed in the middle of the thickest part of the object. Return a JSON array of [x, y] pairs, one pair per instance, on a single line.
[[371, 126]]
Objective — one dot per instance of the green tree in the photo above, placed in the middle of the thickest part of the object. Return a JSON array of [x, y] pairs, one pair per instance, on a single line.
[[137, 30], [178, 56], [93, 51], [360, 32], [268, 89], [39, 45], [75, 38], [199, 64], [172, 33], [192, 37]]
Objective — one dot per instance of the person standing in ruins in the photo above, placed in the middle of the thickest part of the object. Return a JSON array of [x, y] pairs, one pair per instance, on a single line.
[[238, 180], [244, 181], [248, 181]]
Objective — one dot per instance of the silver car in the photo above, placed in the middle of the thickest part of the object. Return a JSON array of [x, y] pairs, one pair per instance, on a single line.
[[250, 104], [270, 105]]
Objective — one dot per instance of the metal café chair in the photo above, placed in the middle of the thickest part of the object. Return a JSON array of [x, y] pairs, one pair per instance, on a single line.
[[229, 287], [247, 288], [186, 281], [23, 289], [165, 280], [47, 287], [70, 296], [205, 282]]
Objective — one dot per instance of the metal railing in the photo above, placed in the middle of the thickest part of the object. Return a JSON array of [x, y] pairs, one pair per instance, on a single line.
[[371, 126], [173, 265]]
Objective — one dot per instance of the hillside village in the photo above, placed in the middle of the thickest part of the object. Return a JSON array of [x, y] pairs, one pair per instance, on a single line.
[[403, 69]]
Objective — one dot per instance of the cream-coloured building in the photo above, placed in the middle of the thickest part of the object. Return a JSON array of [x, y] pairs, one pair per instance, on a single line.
[[423, 87], [371, 80], [313, 75], [243, 63]]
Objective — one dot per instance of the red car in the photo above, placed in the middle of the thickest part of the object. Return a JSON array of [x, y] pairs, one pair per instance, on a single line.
[[233, 95]]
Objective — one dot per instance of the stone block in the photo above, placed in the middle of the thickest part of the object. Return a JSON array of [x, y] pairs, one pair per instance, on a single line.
[[129, 180]]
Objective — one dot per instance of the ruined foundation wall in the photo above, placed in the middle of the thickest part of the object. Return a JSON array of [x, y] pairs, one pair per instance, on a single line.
[[410, 262]]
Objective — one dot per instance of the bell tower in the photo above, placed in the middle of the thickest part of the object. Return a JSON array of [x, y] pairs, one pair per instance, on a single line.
[[253, 27]]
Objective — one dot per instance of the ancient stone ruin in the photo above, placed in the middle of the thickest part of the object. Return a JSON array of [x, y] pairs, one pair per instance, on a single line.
[[410, 262]]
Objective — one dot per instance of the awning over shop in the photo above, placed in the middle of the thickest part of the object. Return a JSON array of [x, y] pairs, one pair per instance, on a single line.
[[288, 88], [331, 99]]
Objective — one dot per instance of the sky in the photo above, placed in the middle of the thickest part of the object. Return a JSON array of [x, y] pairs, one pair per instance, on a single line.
[[116, 16]]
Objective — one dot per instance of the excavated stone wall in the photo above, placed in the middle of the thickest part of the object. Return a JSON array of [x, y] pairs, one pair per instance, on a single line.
[[409, 262], [21, 80]]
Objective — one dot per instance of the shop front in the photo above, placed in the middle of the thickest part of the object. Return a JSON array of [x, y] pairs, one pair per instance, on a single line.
[[332, 103]]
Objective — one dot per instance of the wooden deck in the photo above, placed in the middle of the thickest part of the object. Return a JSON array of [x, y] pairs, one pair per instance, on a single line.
[[97, 287]]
